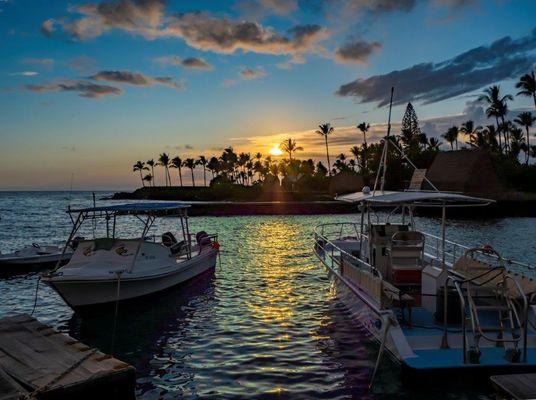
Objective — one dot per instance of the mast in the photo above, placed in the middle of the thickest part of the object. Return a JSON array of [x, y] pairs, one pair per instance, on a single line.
[[383, 161]]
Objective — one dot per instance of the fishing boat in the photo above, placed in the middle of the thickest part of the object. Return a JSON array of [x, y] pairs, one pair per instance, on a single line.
[[36, 255], [111, 269], [432, 304]]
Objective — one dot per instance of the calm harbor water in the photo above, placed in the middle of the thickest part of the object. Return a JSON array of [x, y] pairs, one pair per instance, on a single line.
[[265, 324]]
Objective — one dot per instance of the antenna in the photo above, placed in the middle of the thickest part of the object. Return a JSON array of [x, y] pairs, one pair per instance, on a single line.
[[383, 160]]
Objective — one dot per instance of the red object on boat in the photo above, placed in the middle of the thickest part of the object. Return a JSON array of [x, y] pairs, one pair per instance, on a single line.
[[216, 245], [407, 276]]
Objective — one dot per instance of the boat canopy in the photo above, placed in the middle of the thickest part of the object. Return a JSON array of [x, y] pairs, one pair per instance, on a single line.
[[134, 208], [417, 198]]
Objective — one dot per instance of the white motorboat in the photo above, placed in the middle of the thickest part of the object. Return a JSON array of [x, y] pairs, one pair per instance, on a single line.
[[432, 304], [111, 269], [36, 255]]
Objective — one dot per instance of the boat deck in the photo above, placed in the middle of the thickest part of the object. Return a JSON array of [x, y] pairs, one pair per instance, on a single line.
[[516, 386]]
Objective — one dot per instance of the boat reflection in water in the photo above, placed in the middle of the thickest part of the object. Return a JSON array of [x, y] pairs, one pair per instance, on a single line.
[[151, 331]]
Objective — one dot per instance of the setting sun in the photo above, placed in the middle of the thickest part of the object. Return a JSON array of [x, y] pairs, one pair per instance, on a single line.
[[275, 151]]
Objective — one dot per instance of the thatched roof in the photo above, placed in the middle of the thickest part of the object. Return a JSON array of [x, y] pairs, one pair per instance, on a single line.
[[466, 171], [345, 182]]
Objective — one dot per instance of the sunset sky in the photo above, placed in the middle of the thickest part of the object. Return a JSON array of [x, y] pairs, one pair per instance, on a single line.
[[87, 88]]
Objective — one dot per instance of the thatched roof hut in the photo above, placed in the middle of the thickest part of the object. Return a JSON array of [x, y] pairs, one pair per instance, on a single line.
[[345, 182], [467, 171]]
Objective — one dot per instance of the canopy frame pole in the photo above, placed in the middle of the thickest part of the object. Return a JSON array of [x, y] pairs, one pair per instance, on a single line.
[[443, 223], [148, 223], [76, 225], [387, 138]]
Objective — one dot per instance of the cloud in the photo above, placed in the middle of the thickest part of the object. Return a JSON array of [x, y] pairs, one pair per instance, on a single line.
[[83, 88], [190, 62], [250, 73], [39, 62], [82, 64], [24, 73], [199, 30], [432, 82], [134, 78], [260, 8], [48, 27], [68, 148], [357, 51]]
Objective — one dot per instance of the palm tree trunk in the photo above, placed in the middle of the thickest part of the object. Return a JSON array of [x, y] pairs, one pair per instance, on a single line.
[[193, 179], [456, 143], [152, 173], [141, 177], [204, 176], [452, 145], [528, 146], [327, 154]]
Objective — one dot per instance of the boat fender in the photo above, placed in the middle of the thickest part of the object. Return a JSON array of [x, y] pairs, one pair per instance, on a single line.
[[487, 248]]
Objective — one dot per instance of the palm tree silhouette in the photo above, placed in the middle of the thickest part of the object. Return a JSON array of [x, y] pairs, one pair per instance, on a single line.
[[434, 143], [213, 166], [290, 146], [526, 119], [202, 160], [497, 107], [139, 167], [451, 136], [163, 160], [148, 178], [190, 163], [151, 163], [527, 84], [364, 127], [177, 164], [325, 130], [468, 129]]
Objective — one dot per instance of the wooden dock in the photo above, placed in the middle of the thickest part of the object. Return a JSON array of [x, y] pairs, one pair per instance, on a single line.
[[516, 386], [38, 362]]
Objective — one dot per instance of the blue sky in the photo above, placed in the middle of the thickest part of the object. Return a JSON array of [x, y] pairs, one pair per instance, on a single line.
[[87, 88]]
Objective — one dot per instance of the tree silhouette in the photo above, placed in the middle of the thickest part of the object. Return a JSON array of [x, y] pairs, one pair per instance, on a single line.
[[527, 84], [151, 163], [526, 119], [163, 160], [190, 163], [202, 160], [139, 166], [290, 146], [177, 164], [325, 130]]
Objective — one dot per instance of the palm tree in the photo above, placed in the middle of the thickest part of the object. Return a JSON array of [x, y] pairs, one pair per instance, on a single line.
[[497, 106], [202, 160], [148, 178], [451, 136], [434, 143], [213, 166], [325, 130], [527, 84], [290, 146], [190, 163], [139, 167], [151, 163], [490, 136], [364, 127], [163, 160], [517, 142], [526, 119], [177, 164], [468, 129]]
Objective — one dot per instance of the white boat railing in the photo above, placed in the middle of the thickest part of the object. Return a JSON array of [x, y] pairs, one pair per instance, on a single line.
[[432, 247]]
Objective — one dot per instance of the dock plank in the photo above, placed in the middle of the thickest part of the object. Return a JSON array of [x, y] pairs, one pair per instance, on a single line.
[[517, 386], [56, 365]]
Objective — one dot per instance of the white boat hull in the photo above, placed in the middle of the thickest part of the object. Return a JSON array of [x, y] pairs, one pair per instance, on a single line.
[[35, 259], [79, 293]]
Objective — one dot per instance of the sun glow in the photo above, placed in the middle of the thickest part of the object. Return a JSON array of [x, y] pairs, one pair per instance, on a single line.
[[275, 151]]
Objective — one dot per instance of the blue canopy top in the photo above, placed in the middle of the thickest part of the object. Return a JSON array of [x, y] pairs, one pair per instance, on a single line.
[[133, 208]]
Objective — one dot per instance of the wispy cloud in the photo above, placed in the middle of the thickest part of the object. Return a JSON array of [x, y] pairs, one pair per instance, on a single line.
[[38, 62], [261, 8], [25, 73], [83, 88], [246, 74], [190, 62], [432, 82], [134, 78], [82, 64]]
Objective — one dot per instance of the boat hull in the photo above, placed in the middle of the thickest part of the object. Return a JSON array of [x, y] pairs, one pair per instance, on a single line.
[[35, 260], [87, 293]]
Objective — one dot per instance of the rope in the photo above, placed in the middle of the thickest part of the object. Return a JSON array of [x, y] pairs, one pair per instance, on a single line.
[[35, 297], [116, 314], [42, 388]]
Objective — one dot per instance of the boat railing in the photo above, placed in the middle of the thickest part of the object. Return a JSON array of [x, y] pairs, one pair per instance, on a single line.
[[453, 251], [325, 235]]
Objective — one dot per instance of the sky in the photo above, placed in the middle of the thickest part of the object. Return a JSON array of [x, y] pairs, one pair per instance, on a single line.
[[89, 87]]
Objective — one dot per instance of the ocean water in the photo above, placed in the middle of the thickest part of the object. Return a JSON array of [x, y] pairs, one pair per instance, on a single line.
[[264, 324]]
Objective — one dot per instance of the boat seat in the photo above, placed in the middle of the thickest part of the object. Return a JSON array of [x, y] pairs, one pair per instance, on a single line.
[[478, 271], [169, 241], [406, 255]]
